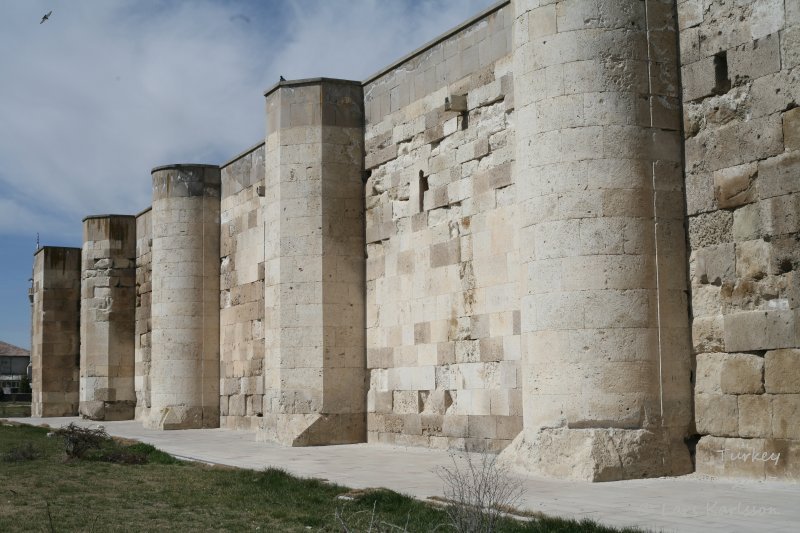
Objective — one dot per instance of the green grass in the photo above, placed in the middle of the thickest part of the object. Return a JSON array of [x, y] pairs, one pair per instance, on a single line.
[[15, 409], [170, 495]]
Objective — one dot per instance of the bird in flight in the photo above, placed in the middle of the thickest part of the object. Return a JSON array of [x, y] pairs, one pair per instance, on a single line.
[[46, 17]]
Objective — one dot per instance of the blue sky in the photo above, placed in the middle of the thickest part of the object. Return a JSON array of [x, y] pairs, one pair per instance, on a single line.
[[105, 90]]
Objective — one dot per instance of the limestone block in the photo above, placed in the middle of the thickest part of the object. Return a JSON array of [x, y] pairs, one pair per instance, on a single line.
[[753, 259], [755, 415], [709, 373], [767, 18], [781, 214], [709, 229], [698, 79], [755, 59], [791, 128], [690, 13], [786, 416], [706, 300], [748, 223], [699, 193], [779, 175], [759, 330], [716, 414], [708, 333], [742, 374], [735, 186], [790, 43], [717, 456], [713, 264], [782, 371], [593, 454], [406, 402]]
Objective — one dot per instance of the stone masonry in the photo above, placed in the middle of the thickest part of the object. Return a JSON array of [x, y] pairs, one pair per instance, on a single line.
[[604, 334], [242, 291], [108, 290], [314, 361], [142, 325], [741, 69], [55, 332], [566, 231], [184, 312]]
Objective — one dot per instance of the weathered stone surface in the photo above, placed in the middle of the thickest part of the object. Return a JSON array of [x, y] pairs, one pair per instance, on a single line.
[[755, 415], [142, 327], [742, 374], [594, 454], [709, 229], [734, 186], [716, 414], [782, 371], [108, 287], [753, 259], [760, 458], [791, 129], [741, 126], [395, 271], [707, 334], [736, 373], [786, 416], [778, 175], [184, 375], [713, 264], [314, 369], [760, 330], [55, 331]]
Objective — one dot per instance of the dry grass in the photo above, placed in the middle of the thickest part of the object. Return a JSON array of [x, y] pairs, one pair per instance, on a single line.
[[169, 495]]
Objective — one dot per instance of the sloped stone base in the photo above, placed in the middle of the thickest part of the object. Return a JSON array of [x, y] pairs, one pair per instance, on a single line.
[[100, 410], [183, 417], [606, 454], [313, 429]]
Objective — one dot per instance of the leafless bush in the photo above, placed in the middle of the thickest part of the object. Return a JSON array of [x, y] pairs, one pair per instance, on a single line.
[[478, 490], [78, 441], [366, 521]]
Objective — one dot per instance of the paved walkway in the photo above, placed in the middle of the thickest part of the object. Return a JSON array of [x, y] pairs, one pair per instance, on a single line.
[[688, 503]]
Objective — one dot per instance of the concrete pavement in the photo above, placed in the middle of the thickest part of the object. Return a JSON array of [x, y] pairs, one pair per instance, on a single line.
[[687, 503]]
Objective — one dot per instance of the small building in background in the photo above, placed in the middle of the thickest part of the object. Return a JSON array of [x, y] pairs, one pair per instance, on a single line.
[[14, 363]]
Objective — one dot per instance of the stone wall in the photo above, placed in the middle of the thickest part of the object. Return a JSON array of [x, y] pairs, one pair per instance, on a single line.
[[55, 331], [487, 246], [242, 291], [184, 372], [442, 253], [605, 337], [314, 365], [741, 88], [108, 306], [142, 327]]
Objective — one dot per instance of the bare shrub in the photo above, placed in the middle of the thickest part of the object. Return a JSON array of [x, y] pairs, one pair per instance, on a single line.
[[364, 521], [78, 441], [478, 491]]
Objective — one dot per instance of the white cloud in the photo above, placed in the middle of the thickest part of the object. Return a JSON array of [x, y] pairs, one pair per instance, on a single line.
[[105, 90]]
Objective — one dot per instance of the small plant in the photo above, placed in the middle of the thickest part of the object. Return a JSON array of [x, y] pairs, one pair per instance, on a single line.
[[368, 521], [22, 452], [78, 441], [478, 492]]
